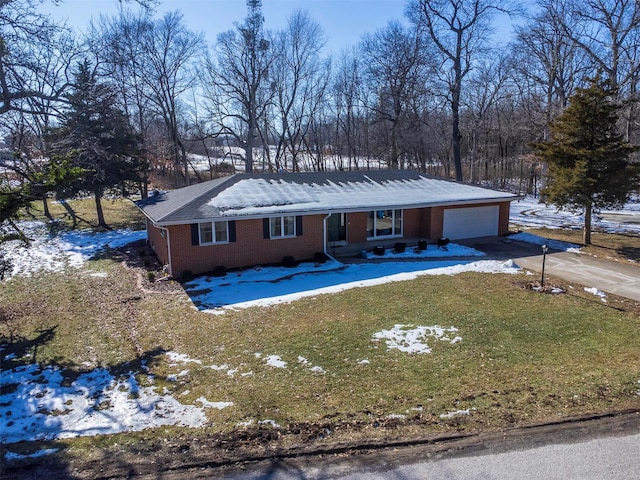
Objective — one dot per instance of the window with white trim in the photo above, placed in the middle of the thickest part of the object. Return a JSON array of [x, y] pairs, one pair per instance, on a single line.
[[213, 232], [282, 227], [384, 223]]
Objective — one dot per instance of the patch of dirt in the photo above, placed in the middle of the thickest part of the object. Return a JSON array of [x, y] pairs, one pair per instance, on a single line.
[[547, 288], [150, 274], [184, 457]]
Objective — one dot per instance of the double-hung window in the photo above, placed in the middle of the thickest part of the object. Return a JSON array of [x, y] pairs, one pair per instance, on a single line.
[[214, 232], [282, 227], [384, 223]]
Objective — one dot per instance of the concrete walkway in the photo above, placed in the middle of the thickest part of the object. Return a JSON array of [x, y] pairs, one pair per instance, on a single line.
[[606, 275]]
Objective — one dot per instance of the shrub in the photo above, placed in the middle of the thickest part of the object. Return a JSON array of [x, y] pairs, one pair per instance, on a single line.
[[422, 244], [151, 276], [288, 261], [219, 271], [399, 247], [320, 257], [185, 276]]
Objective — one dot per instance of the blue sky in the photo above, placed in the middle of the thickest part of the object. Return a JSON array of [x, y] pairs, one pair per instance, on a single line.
[[343, 21]]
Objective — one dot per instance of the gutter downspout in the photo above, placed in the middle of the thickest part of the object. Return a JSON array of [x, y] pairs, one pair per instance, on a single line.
[[325, 235], [166, 230]]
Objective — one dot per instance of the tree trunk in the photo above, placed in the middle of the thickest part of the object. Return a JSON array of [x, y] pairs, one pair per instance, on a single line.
[[45, 206], [100, 213], [586, 233]]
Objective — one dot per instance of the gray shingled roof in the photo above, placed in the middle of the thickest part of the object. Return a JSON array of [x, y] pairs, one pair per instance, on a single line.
[[259, 195]]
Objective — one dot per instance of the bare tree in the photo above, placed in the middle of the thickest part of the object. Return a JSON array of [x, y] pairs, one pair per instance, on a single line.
[[237, 81], [395, 71], [545, 54], [170, 51], [608, 31], [460, 31], [300, 77], [25, 76], [346, 92]]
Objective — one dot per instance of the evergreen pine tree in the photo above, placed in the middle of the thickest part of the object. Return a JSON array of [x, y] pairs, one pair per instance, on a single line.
[[587, 157], [96, 135]]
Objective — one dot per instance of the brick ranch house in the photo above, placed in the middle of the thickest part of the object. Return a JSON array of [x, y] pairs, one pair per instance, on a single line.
[[252, 219]]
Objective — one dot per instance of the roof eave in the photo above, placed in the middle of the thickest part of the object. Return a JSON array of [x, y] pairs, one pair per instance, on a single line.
[[327, 211]]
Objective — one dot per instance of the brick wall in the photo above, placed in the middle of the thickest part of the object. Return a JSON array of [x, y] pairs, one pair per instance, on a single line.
[[157, 242], [250, 248]]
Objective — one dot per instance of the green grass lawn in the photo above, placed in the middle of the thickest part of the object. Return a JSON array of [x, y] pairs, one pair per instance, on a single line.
[[118, 212], [525, 357], [614, 246]]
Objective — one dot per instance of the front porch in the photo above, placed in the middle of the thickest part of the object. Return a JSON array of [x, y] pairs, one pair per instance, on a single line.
[[355, 249]]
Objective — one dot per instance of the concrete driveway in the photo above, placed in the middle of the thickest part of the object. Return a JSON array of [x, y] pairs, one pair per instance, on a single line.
[[606, 275]]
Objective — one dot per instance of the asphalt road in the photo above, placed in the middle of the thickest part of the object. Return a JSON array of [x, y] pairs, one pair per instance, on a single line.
[[606, 448]]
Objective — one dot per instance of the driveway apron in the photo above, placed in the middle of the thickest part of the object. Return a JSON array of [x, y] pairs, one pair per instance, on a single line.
[[606, 275]]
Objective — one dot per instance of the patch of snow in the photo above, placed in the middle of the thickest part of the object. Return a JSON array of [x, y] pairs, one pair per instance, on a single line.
[[55, 252], [598, 293], [432, 251], [457, 413], [269, 422], [217, 405], [218, 367], [530, 213], [248, 423], [276, 285], [181, 358], [397, 416], [10, 456], [175, 377], [410, 339], [318, 370], [275, 361], [537, 240], [364, 362], [43, 406]]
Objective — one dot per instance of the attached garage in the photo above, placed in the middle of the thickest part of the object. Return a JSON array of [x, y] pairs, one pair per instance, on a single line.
[[471, 222]]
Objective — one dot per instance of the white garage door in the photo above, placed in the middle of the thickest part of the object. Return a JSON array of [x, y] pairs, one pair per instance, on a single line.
[[471, 222]]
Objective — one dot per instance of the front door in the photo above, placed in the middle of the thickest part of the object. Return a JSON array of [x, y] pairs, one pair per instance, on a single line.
[[337, 228]]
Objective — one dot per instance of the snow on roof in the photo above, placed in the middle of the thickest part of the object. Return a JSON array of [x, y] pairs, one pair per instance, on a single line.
[[259, 195]]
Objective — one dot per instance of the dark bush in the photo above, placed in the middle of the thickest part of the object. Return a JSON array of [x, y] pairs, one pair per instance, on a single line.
[[151, 276], [422, 244], [185, 276], [399, 247], [320, 257], [288, 261], [219, 271]]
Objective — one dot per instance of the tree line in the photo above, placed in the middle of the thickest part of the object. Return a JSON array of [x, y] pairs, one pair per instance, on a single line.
[[140, 99]]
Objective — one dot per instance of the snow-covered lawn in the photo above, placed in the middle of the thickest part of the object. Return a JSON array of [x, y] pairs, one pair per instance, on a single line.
[[53, 252], [529, 213], [38, 403]]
